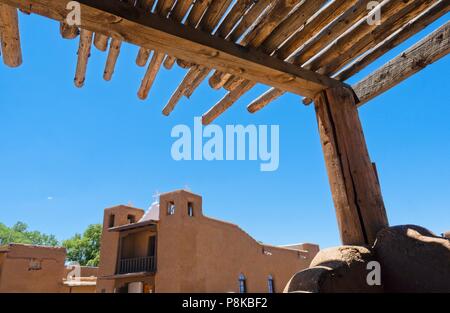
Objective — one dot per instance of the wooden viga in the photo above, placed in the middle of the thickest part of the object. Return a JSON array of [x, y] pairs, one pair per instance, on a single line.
[[306, 47]]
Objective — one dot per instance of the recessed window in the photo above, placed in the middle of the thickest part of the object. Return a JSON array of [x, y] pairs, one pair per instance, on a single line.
[[190, 209], [111, 220], [242, 287], [131, 219], [34, 265], [171, 208], [270, 284]]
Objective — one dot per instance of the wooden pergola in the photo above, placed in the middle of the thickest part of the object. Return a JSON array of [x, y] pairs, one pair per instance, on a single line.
[[306, 47]]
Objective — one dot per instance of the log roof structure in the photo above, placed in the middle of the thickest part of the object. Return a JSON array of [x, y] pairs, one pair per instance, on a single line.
[[306, 47], [299, 46]]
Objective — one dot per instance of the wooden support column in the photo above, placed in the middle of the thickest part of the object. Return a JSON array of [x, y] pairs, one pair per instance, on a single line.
[[10, 36], [354, 184]]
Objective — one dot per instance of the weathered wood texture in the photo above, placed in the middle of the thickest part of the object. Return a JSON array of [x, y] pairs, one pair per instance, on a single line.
[[113, 54], [405, 32], [119, 20], [413, 60], [10, 36], [401, 22], [101, 42], [84, 52], [68, 31], [354, 185]]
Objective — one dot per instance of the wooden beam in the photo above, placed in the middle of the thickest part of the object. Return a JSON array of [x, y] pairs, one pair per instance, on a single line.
[[120, 20], [427, 51], [67, 31], [360, 35], [150, 75], [407, 31], [101, 42], [84, 52], [391, 22], [354, 185], [10, 36], [113, 55], [196, 74], [260, 31], [326, 25]]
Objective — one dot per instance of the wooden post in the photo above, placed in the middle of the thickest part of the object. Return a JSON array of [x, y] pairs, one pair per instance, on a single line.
[[354, 185], [10, 36]]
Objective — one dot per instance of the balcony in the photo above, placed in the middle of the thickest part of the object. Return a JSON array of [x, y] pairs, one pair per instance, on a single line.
[[137, 265]]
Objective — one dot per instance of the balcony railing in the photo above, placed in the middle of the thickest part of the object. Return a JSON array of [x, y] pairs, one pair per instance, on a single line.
[[137, 265]]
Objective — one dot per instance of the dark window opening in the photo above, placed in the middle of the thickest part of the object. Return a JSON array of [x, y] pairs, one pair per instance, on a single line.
[[190, 209], [131, 219], [111, 220], [152, 246], [242, 288], [270, 284], [171, 208]]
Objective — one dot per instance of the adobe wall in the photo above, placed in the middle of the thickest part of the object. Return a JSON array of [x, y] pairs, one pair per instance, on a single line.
[[27, 268], [110, 242], [200, 254]]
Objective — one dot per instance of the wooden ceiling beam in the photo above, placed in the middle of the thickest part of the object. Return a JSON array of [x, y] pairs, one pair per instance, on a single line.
[[414, 26], [427, 51], [10, 36], [152, 31]]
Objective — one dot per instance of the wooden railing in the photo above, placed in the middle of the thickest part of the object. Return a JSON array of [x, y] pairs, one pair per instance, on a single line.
[[137, 265]]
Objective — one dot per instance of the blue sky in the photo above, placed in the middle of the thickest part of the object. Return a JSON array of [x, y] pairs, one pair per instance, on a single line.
[[68, 153]]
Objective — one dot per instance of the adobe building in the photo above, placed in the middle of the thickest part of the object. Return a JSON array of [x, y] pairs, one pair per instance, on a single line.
[[173, 247], [30, 268]]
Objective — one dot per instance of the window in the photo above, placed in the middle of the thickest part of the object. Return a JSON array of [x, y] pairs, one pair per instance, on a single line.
[[152, 246], [270, 284], [242, 283], [171, 208], [131, 219], [190, 209], [111, 220]]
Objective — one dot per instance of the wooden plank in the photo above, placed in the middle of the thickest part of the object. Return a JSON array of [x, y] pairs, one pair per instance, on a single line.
[[354, 186], [10, 36], [427, 51]]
